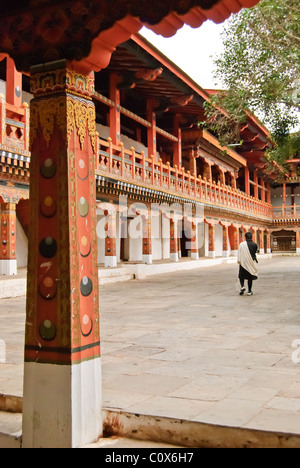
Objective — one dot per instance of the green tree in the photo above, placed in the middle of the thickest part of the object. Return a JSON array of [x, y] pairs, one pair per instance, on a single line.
[[260, 72]]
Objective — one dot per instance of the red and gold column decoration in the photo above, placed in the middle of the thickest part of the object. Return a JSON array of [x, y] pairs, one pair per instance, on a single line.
[[62, 302], [62, 313], [8, 253]]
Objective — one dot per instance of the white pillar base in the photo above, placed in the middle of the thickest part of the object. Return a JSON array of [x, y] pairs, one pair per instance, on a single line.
[[269, 251], [234, 253], [147, 259], [226, 253], [297, 250], [8, 267], [174, 257], [261, 251], [110, 262], [62, 405], [194, 255], [212, 254]]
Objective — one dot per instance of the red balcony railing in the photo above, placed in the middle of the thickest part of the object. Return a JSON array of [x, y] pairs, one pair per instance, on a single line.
[[132, 166], [286, 212]]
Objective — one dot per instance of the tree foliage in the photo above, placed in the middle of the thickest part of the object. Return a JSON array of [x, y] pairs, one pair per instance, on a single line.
[[260, 71]]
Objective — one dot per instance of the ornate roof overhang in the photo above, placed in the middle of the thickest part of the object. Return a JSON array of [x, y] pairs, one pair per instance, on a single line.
[[88, 31]]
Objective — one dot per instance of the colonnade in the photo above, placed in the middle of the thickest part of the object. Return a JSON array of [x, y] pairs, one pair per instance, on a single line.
[[144, 234]]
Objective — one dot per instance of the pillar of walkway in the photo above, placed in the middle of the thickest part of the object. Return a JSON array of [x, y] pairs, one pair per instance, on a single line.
[[226, 247], [268, 242], [8, 253], [211, 241], [234, 238], [62, 371], [147, 243], [261, 242], [173, 240], [194, 240], [298, 242], [110, 259]]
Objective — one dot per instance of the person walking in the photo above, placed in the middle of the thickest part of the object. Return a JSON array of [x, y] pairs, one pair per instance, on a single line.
[[247, 261]]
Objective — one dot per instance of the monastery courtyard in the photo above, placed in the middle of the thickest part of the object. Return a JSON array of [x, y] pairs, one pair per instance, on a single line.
[[186, 346]]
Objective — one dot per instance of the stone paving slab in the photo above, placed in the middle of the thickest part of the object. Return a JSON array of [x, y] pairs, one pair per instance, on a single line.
[[186, 345]]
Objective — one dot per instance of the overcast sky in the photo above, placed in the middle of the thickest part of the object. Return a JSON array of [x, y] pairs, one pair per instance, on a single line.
[[191, 49]]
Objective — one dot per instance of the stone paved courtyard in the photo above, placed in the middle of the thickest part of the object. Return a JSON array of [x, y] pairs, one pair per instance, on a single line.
[[186, 345]]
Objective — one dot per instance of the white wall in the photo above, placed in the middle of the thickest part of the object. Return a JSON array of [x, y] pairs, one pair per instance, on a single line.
[[22, 246]]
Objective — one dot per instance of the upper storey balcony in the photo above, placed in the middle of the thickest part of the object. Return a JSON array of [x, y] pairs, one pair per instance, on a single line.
[[129, 166]]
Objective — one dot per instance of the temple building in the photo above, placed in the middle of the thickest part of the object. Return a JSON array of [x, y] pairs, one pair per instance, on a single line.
[[165, 186]]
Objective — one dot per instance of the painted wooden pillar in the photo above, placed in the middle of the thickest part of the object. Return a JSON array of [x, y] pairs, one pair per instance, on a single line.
[[194, 240], [268, 242], [263, 191], [62, 371], [2, 119], [268, 195], [8, 254], [177, 158], [255, 180], [114, 113], [233, 232], [254, 235], [110, 259], [226, 247], [147, 243], [151, 131], [211, 241], [298, 242], [247, 181], [13, 84], [261, 242], [283, 199], [173, 240]]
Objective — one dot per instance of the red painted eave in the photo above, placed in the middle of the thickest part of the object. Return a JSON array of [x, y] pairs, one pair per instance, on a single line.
[[197, 16], [108, 40]]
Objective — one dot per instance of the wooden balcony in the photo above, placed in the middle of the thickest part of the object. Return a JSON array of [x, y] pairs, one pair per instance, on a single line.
[[14, 137], [284, 212], [131, 166]]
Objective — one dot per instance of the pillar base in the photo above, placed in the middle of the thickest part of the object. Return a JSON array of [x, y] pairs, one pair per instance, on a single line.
[[298, 251], [234, 253], [110, 262], [261, 251], [212, 254], [147, 259], [269, 251], [174, 257], [8, 267], [226, 253], [194, 255], [77, 419]]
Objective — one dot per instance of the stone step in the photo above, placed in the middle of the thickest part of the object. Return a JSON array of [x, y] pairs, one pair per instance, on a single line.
[[10, 430]]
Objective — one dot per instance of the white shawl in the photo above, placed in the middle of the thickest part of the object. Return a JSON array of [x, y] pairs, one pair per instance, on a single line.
[[245, 260]]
